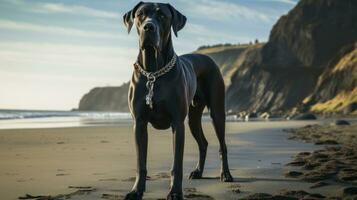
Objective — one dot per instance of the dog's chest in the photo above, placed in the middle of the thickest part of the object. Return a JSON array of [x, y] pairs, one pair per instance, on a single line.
[[159, 114], [159, 119]]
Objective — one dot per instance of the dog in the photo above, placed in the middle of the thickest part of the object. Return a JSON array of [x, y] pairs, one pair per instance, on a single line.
[[166, 88]]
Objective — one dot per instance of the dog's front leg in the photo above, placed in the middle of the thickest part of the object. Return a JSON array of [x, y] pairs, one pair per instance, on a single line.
[[141, 139], [176, 171]]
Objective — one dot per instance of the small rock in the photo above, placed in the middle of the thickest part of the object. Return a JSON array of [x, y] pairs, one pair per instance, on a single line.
[[293, 174], [341, 122], [305, 116], [265, 115], [326, 142], [253, 115]]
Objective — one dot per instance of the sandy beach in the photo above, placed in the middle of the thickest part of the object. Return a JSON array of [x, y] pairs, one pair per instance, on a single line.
[[101, 160]]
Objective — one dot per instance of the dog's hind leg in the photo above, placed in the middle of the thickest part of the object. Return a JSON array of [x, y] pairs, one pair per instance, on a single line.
[[217, 112], [194, 121]]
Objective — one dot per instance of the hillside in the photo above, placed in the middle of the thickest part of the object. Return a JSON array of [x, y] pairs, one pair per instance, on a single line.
[[229, 58], [309, 62], [336, 88], [106, 99]]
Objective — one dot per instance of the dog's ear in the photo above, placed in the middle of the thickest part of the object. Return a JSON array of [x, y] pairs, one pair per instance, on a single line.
[[129, 17], [178, 20]]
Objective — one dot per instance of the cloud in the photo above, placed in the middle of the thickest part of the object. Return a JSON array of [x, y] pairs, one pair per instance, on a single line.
[[22, 26], [223, 11], [50, 8], [211, 34], [74, 9], [284, 1], [27, 56]]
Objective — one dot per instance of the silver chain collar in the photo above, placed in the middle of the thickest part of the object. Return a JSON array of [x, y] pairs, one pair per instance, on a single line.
[[152, 76]]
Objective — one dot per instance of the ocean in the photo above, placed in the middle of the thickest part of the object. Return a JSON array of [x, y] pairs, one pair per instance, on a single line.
[[17, 119], [20, 119]]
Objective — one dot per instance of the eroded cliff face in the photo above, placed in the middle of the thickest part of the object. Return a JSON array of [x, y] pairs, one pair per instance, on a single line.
[[296, 61], [311, 34], [230, 58], [309, 63]]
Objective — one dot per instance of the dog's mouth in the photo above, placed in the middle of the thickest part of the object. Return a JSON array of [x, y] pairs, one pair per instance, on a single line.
[[150, 41], [150, 46]]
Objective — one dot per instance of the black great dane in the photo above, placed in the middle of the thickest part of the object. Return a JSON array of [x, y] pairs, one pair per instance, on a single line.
[[165, 88]]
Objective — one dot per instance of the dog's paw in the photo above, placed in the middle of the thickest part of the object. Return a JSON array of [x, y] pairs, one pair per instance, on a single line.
[[174, 196], [196, 174], [226, 177], [134, 195]]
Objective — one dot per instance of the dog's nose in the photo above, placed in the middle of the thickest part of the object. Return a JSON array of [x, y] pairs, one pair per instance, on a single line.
[[149, 27]]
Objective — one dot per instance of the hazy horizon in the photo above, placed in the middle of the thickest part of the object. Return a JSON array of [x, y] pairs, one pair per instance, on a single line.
[[52, 52]]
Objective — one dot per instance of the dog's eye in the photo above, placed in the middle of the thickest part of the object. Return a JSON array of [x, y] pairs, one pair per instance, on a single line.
[[162, 16]]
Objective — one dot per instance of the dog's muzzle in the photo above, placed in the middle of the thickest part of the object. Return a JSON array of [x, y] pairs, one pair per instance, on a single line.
[[150, 35]]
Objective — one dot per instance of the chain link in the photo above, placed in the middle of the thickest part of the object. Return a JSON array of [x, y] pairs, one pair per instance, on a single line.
[[152, 76]]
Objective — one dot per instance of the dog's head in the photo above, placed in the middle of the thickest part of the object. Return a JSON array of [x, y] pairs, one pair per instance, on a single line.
[[153, 22]]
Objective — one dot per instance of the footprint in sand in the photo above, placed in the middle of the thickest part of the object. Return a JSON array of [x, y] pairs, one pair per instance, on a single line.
[[162, 175], [158, 176], [62, 174], [192, 193], [235, 188], [132, 179], [112, 196], [108, 179]]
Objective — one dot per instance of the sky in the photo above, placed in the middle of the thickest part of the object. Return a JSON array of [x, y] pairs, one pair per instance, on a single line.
[[53, 52]]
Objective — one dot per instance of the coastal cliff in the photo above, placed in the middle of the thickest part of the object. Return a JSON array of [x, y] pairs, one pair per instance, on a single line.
[[106, 99]]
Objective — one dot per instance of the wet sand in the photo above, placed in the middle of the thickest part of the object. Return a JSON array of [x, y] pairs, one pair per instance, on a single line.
[[99, 162], [334, 163]]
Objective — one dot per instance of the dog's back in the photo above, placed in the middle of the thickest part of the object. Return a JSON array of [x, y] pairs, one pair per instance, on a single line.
[[210, 84]]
